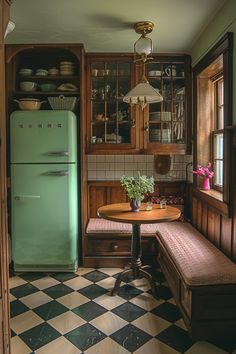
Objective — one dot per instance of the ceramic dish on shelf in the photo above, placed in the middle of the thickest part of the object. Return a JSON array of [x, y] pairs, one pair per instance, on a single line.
[[29, 104], [26, 72], [47, 87], [28, 86], [67, 87]]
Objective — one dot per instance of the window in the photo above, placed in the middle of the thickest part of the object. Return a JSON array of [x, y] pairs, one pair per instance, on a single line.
[[213, 114], [217, 132]]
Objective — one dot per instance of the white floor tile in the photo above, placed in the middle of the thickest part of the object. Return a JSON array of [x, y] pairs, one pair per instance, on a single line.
[[18, 346], [36, 299], [25, 321], [66, 322], [59, 346], [108, 323]]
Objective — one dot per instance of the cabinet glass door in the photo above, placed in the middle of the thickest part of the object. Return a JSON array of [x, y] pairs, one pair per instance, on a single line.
[[111, 119], [166, 120]]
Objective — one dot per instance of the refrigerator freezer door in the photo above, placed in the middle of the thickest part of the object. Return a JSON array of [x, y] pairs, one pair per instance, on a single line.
[[44, 217], [43, 136]]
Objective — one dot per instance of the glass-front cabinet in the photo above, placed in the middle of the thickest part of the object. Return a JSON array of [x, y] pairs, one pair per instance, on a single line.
[[113, 125], [166, 127], [111, 121]]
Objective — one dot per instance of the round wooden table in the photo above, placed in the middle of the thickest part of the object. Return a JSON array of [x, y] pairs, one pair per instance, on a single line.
[[122, 213]]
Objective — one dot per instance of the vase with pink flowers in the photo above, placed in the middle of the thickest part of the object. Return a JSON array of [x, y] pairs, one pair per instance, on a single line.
[[205, 172]]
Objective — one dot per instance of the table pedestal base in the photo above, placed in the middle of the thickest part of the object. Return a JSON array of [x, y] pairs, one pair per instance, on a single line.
[[135, 268]]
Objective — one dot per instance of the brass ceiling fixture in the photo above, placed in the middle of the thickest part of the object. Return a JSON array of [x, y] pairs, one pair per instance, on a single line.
[[143, 93]]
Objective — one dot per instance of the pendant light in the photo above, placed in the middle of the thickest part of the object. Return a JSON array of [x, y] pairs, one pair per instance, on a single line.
[[143, 93]]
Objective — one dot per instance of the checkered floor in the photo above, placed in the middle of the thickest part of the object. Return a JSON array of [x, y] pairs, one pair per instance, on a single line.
[[64, 313]]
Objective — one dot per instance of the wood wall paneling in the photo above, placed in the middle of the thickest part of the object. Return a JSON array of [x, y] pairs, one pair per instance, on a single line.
[[213, 224]]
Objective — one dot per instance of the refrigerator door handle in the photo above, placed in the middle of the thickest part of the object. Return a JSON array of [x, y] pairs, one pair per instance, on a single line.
[[57, 153], [56, 173], [19, 197]]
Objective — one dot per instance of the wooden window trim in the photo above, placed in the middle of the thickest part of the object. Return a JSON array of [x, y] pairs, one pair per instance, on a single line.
[[223, 47]]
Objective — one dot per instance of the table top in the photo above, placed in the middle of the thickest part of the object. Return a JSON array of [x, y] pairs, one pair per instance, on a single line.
[[122, 213]]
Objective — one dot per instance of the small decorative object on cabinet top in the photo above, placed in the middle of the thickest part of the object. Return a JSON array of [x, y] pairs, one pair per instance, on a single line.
[[205, 172], [137, 188]]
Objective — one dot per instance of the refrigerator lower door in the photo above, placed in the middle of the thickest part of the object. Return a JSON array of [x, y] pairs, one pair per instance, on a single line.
[[44, 217]]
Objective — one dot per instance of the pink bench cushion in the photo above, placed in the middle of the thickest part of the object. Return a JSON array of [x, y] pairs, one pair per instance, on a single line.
[[197, 259], [102, 226]]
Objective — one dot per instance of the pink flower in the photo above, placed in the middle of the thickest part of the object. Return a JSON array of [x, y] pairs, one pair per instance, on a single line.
[[204, 171]]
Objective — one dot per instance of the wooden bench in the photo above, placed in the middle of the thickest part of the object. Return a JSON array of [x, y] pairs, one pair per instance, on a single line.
[[202, 280]]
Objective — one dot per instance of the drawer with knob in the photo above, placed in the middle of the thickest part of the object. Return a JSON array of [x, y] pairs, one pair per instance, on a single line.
[[108, 247]]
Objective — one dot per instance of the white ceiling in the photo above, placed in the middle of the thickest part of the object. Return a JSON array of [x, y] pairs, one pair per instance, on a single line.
[[107, 25]]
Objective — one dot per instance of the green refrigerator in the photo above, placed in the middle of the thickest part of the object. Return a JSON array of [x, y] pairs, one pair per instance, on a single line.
[[44, 191]]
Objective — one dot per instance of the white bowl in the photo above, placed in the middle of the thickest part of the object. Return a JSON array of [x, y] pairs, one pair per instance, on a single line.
[[28, 86]]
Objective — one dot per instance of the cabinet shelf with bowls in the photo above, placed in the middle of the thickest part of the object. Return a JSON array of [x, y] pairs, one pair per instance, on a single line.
[[51, 70]]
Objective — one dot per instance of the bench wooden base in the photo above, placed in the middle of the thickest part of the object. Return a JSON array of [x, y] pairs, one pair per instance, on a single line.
[[209, 311]]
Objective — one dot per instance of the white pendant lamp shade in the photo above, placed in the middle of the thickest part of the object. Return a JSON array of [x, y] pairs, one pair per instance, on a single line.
[[143, 94]]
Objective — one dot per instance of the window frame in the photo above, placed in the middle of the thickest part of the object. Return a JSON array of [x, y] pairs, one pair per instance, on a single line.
[[218, 128], [223, 47]]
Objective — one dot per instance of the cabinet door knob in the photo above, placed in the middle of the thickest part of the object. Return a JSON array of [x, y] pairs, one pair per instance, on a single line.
[[115, 247], [132, 123], [147, 128]]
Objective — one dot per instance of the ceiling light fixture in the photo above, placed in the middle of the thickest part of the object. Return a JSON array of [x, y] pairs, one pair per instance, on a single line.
[[143, 93]]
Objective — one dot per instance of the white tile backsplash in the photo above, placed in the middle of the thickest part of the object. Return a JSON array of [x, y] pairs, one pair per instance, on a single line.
[[112, 167]]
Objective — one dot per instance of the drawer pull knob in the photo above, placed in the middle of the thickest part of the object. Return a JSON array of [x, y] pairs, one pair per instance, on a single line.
[[115, 247]]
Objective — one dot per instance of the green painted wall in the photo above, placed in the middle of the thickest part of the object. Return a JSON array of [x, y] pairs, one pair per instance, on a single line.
[[224, 21]]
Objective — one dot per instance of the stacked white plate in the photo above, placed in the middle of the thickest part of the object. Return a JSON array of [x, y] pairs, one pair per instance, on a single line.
[[155, 135], [41, 72], [164, 116], [26, 72], [67, 68]]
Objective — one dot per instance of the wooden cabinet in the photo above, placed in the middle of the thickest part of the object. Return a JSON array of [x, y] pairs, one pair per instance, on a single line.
[[111, 122], [162, 128], [63, 61], [167, 125]]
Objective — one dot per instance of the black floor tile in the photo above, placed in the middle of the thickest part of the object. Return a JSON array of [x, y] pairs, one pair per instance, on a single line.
[[13, 334], [85, 336], [32, 276], [129, 311], [64, 276], [93, 291], [50, 310], [131, 337], [58, 290], [157, 276], [17, 307], [167, 311], [23, 290], [162, 292], [89, 311], [128, 292], [176, 338], [39, 336], [95, 276]]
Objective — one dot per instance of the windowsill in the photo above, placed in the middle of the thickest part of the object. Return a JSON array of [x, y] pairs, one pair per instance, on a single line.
[[214, 199], [214, 194]]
